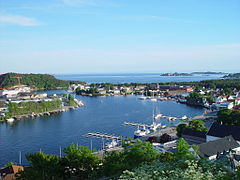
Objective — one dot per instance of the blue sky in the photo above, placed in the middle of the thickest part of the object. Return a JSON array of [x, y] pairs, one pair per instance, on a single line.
[[106, 36]]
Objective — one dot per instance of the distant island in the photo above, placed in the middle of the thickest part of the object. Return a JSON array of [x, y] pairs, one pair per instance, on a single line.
[[208, 72], [176, 74], [233, 76], [193, 73], [35, 81]]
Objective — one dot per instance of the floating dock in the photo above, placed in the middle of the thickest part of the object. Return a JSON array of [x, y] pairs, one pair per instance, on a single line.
[[104, 136], [136, 124]]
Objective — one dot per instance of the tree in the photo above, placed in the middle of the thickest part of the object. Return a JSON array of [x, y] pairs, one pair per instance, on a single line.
[[80, 162], [235, 118], [132, 156], [227, 91], [140, 152], [238, 173], [42, 166], [182, 149], [9, 164], [167, 156], [224, 116], [114, 163], [197, 125], [181, 128]]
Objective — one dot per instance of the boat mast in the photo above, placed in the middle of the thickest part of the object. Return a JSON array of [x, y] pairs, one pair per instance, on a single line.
[[20, 157]]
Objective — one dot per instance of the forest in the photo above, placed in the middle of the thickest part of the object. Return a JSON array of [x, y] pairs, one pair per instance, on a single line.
[[35, 81]]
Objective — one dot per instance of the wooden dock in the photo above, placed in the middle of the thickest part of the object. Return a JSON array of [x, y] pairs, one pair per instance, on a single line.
[[104, 136], [136, 124]]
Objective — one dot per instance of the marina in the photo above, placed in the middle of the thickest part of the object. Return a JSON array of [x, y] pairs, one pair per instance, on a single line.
[[100, 114]]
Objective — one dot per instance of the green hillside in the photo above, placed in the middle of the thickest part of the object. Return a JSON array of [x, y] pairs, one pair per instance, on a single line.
[[37, 81]]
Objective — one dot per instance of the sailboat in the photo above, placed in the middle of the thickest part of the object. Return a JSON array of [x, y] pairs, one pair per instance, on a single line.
[[158, 115], [141, 132]]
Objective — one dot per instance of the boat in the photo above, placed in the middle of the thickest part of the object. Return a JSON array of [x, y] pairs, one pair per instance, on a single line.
[[111, 144], [154, 99], [141, 132], [142, 98], [158, 115], [144, 131], [184, 117], [10, 120]]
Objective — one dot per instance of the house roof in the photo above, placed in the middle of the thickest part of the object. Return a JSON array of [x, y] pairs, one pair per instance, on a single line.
[[218, 146], [190, 132], [11, 169], [220, 130]]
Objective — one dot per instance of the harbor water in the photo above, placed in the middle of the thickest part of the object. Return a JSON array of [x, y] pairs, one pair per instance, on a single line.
[[101, 114]]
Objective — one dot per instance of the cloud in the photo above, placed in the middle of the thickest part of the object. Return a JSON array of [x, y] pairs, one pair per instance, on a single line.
[[18, 20], [80, 3]]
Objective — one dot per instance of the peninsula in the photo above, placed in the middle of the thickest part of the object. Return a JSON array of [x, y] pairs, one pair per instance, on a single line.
[[35, 81]]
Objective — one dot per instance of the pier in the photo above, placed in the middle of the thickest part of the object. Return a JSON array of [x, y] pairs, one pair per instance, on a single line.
[[104, 136], [136, 124]]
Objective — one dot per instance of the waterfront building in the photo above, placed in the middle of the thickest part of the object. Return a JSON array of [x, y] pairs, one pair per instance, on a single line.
[[214, 149], [14, 91]]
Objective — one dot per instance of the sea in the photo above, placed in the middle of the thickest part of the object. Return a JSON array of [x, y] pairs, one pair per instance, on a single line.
[[51, 134]]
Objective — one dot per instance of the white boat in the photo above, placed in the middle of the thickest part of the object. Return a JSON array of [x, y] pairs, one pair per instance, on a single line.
[[10, 120], [154, 99], [155, 126], [157, 116], [142, 98], [184, 117], [112, 144], [141, 132]]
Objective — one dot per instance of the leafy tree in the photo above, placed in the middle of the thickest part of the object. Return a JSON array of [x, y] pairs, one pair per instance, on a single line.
[[114, 163], [235, 118], [42, 166], [238, 173], [195, 98], [224, 116], [183, 149], [197, 125], [167, 156], [9, 164], [140, 152], [132, 156], [227, 91], [80, 162], [181, 128]]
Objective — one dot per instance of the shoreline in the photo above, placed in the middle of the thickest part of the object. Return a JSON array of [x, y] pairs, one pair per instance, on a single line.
[[47, 113]]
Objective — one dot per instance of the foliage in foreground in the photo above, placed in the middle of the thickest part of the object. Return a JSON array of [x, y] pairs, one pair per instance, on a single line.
[[138, 160], [180, 169]]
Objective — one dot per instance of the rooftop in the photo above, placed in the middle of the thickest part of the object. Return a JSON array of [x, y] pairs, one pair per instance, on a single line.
[[220, 130]]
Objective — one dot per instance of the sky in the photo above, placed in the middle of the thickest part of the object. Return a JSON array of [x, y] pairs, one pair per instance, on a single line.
[[119, 36]]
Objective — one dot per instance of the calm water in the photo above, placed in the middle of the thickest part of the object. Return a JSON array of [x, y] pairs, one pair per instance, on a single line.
[[138, 78], [102, 114]]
